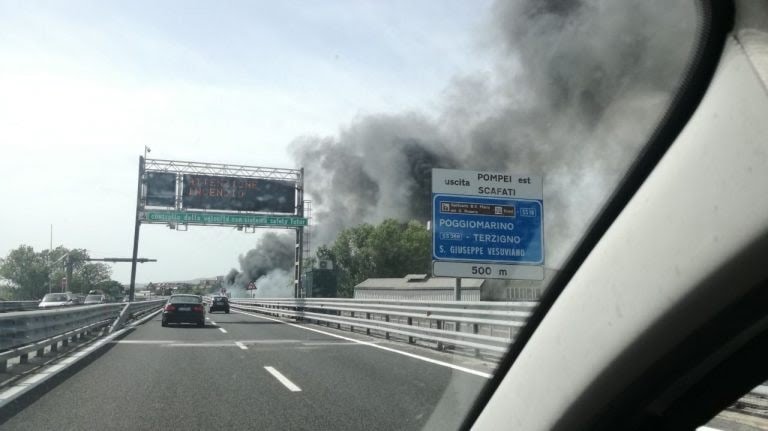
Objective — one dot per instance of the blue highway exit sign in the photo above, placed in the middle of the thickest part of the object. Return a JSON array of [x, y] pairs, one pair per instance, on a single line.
[[487, 225]]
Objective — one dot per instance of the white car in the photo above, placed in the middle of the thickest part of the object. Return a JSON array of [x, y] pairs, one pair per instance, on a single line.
[[95, 299], [52, 300]]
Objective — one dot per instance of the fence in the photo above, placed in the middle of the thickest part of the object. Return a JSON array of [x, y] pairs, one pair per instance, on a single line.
[[479, 326], [25, 332], [6, 306], [467, 295]]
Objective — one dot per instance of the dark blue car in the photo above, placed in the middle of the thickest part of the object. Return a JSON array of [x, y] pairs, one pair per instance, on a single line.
[[184, 309], [219, 303]]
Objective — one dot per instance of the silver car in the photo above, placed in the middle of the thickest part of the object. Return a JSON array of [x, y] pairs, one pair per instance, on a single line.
[[52, 300]]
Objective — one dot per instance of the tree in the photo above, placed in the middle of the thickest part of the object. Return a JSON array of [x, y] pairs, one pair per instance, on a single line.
[[33, 274], [27, 271], [309, 263], [8, 290], [57, 261], [416, 242], [353, 257], [391, 249], [88, 276], [111, 288]]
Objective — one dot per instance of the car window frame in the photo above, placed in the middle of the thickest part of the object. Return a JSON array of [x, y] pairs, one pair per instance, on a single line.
[[716, 20]]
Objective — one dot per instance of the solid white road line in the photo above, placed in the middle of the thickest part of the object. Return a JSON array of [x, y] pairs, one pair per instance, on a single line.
[[328, 343], [142, 341], [241, 345], [223, 330], [282, 379], [198, 345], [377, 346], [272, 341], [181, 344]]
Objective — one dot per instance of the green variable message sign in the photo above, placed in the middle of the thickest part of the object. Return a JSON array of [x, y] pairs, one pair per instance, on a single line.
[[226, 219]]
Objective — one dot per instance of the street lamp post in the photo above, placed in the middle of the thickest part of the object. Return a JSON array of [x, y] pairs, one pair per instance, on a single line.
[[51, 265]]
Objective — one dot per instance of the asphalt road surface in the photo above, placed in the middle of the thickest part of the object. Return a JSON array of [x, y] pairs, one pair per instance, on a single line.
[[247, 372], [733, 421]]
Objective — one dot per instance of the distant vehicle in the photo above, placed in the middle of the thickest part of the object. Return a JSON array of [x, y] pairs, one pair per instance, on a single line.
[[77, 299], [52, 300], [219, 303], [184, 309], [95, 299]]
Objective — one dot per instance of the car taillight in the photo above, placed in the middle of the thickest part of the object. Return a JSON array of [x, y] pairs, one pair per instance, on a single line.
[[198, 308], [170, 307]]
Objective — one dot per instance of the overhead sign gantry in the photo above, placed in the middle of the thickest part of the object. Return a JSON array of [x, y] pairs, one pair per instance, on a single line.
[[179, 193]]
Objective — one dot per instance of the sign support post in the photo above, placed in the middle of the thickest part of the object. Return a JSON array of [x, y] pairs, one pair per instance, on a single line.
[[137, 225], [457, 290], [69, 268], [297, 290]]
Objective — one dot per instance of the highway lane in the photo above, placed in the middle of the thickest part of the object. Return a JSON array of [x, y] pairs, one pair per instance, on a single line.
[[259, 374]]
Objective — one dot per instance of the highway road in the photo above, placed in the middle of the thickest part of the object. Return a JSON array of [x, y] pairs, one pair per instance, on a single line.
[[243, 371]]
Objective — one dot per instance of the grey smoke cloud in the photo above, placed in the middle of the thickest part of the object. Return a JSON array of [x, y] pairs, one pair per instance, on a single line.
[[273, 253], [276, 284], [575, 90], [378, 168]]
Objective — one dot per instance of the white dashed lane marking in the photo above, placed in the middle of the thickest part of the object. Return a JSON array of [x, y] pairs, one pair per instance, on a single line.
[[372, 344], [282, 379]]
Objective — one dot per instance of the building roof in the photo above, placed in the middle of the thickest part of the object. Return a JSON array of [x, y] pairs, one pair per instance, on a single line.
[[418, 281]]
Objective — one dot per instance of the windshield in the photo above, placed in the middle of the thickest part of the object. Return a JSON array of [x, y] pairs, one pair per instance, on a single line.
[[55, 297], [185, 300], [384, 191]]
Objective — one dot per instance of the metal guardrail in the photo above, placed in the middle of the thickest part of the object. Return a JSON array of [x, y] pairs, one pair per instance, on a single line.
[[25, 332], [6, 306], [472, 325], [133, 309]]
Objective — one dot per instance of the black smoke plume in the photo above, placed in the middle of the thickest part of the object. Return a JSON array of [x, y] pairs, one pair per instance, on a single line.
[[575, 90]]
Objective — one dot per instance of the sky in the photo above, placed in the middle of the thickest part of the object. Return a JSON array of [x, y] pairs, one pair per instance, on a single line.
[[85, 85]]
